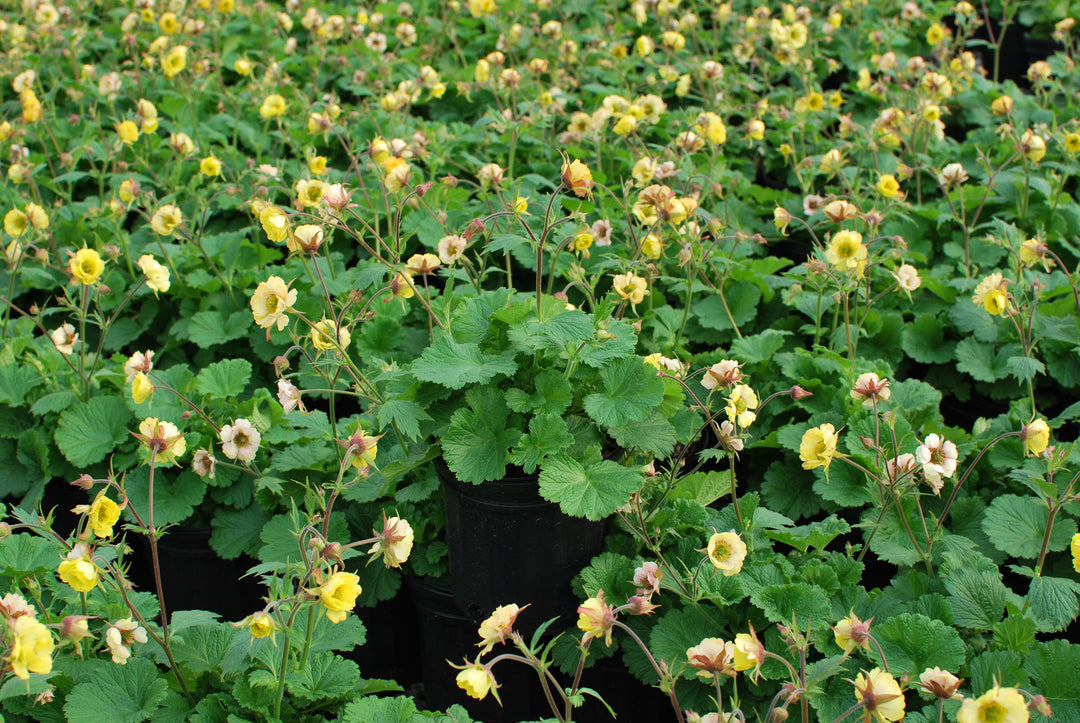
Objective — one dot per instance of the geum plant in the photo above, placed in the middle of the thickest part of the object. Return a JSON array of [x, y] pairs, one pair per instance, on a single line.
[[281, 661]]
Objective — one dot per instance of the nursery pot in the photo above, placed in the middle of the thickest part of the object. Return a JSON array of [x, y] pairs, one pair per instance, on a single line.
[[446, 634], [194, 577], [507, 544]]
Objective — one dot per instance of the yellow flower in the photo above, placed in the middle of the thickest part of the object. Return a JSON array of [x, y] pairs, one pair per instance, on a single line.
[[273, 106], [166, 219], [361, 448], [169, 23], [325, 336], [997, 705], [577, 177], [1072, 143], [270, 302], [210, 166], [162, 438], [243, 66], [395, 541], [141, 388], [157, 276], [1036, 437], [275, 223], [127, 131], [726, 551], [317, 165], [476, 680], [846, 251], [81, 574], [712, 657], [1074, 548], [261, 625], [174, 61], [1002, 105], [630, 287], [31, 647], [712, 127], [1032, 146], [37, 217], [741, 405], [310, 192], [935, 34], [880, 695], [15, 223], [992, 294], [103, 514], [818, 447], [888, 186], [86, 266], [498, 627], [851, 633], [596, 618], [338, 595], [651, 247]]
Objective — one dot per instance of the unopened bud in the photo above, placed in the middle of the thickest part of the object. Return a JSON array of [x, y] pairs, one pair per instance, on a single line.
[[280, 365], [779, 715], [867, 442], [83, 482], [5, 530], [798, 392], [332, 552]]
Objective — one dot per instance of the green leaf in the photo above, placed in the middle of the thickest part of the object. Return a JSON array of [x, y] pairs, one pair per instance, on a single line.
[[912, 643], [742, 301], [791, 603], [15, 381], [1054, 667], [924, 340], [53, 402], [1024, 368], [88, 431], [175, 493], [24, 555], [994, 667], [631, 389], [477, 443], [1052, 603], [327, 636], [592, 489], [653, 435], [210, 328], [1016, 525], [202, 648], [325, 676], [547, 435], [237, 531], [978, 360], [759, 347], [816, 535], [703, 487], [562, 331], [454, 365], [610, 572], [676, 632], [406, 415], [279, 538], [1016, 633], [553, 395], [371, 709], [977, 597], [13, 687], [224, 379], [118, 694]]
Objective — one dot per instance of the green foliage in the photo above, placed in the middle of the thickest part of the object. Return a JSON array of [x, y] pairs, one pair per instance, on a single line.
[[124, 694], [912, 643], [88, 431]]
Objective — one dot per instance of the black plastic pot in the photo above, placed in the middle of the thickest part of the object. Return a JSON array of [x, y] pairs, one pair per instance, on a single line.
[[446, 634], [194, 577], [509, 545]]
